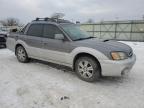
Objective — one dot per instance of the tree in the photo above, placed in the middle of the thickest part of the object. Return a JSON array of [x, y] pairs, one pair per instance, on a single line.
[[10, 22], [90, 21]]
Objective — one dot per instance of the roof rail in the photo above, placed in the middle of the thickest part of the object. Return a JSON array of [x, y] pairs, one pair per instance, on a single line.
[[44, 19], [56, 20]]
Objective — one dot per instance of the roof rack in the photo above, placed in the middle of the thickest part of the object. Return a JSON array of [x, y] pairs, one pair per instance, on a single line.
[[44, 19], [56, 20]]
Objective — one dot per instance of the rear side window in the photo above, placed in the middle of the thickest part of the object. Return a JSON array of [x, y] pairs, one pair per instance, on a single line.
[[35, 30], [50, 31]]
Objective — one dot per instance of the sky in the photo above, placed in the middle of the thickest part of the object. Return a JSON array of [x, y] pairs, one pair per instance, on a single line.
[[74, 10]]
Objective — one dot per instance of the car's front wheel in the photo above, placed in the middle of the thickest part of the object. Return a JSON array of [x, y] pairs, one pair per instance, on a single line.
[[21, 54], [88, 69]]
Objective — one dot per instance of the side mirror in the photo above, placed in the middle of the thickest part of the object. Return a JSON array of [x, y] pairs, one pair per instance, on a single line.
[[59, 36]]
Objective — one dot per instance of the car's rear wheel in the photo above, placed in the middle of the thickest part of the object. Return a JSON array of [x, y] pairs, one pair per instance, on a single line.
[[87, 69], [21, 54]]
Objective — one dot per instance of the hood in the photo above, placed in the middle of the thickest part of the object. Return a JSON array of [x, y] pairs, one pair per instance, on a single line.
[[105, 46]]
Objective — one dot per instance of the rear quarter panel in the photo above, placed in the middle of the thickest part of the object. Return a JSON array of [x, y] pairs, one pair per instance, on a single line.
[[11, 41]]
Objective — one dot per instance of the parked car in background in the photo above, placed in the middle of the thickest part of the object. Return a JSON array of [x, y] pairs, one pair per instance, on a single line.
[[62, 42], [3, 36]]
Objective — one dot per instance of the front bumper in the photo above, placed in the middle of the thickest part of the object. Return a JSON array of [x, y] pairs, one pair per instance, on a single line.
[[117, 68], [2, 43]]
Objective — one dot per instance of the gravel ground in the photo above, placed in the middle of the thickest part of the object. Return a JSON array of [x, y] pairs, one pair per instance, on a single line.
[[42, 85]]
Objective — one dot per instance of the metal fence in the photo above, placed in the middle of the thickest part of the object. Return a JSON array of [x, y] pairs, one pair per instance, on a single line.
[[119, 30]]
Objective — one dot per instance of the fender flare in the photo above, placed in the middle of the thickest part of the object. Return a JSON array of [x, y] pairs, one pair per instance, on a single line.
[[95, 53]]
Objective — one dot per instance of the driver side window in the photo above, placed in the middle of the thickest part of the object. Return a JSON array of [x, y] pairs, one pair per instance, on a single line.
[[50, 31]]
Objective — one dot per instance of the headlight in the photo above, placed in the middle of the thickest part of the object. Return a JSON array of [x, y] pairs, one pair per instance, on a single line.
[[118, 55]]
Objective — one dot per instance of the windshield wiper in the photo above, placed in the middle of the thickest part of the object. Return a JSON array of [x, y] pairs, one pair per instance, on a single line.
[[84, 38]]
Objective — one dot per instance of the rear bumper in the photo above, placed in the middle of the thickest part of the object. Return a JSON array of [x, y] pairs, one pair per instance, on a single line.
[[117, 68]]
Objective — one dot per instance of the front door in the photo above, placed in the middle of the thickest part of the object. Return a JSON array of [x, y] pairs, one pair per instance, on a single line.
[[53, 49]]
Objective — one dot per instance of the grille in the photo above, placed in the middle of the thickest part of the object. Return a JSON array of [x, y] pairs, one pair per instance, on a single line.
[[2, 39]]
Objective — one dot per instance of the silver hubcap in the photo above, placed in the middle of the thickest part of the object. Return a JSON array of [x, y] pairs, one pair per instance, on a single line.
[[85, 69], [21, 54]]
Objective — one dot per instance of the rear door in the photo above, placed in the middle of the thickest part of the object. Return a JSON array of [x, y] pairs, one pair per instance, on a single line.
[[34, 39]]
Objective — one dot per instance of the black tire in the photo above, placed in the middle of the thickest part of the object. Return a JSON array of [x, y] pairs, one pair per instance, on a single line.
[[89, 73], [21, 54]]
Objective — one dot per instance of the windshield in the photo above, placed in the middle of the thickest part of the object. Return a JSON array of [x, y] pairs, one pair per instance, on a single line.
[[75, 32]]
